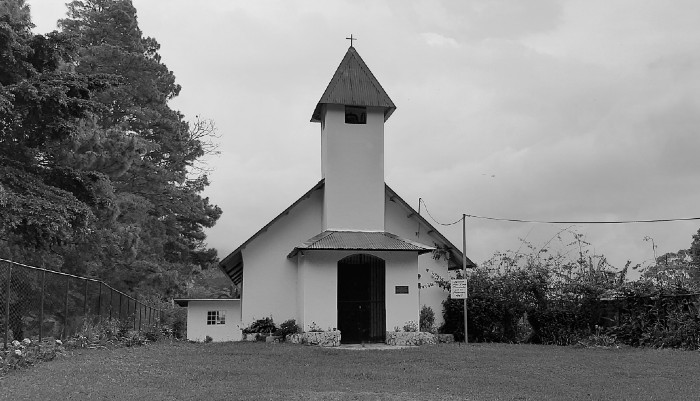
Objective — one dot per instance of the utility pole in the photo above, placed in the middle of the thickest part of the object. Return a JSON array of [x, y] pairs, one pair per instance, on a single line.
[[464, 268]]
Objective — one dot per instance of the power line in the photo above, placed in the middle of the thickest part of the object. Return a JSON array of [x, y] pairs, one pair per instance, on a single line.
[[433, 218], [584, 222], [558, 221]]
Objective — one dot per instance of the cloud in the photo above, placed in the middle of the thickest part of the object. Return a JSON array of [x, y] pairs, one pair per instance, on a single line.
[[437, 40], [581, 109]]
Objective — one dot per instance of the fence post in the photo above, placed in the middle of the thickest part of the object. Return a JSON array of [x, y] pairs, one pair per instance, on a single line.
[[41, 310], [137, 297], [7, 303], [99, 302], [120, 306], [111, 293], [65, 316], [85, 302]]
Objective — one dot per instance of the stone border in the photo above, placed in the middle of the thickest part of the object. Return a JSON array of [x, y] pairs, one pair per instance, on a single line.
[[410, 338], [319, 338]]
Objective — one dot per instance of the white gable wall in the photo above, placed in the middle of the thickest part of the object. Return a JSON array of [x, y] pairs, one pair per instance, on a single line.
[[269, 278], [398, 222], [305, 287], [198, 329]]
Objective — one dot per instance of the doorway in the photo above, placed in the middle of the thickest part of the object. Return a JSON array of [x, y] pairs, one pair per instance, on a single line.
[[361, 299]]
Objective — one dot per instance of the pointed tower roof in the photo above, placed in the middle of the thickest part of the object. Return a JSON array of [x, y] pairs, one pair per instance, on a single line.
[[353, 84]]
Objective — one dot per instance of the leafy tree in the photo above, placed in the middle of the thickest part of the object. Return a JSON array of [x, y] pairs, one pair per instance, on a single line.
[[44, 204], [96, 170]]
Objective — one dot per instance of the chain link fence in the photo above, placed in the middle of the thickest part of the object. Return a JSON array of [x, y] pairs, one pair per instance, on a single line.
[[41, 303]]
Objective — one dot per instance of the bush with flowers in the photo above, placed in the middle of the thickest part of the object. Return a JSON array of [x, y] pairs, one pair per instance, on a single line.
[[21, 354]]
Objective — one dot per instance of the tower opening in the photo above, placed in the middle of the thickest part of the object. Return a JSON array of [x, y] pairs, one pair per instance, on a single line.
[[355, 115]]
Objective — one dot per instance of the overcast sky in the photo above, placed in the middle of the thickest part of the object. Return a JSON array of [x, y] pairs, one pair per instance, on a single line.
[[538, 109]]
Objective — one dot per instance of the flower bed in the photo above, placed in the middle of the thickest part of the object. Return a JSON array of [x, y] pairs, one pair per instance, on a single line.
[[25, 353], [320, 338], [410, 338]]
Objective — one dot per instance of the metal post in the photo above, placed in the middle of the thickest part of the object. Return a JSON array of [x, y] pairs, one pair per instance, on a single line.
[[7, 303], [41, 310], [464, 268], [99, 302], [111, 293], [119, 316], [65, 311], [85, 303], [137, 297]]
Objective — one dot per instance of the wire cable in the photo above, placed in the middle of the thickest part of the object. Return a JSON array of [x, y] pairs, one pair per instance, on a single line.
[[433, 218], [557, 221], [583, 222]]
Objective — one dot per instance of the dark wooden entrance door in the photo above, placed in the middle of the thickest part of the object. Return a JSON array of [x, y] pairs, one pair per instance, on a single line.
[[361, 305]]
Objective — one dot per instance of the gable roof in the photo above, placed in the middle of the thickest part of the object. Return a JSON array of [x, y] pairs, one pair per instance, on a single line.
[[353, 84], [232, 264], [360, 240]]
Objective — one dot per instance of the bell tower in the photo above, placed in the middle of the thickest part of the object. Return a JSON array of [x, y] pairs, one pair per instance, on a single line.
[[352, 113]]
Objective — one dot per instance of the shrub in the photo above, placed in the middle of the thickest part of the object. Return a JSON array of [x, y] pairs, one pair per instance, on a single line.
[[560, 326], [264, 325], [288, 327], [410, 326], [659, 321], [313, 327], [427, 319], [175, 321], [549, 297]]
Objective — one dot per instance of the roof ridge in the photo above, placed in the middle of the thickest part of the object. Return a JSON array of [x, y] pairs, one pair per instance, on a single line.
[[374, 81]]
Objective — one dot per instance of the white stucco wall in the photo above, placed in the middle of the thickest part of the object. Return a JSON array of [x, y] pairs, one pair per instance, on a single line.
[[319, 299], [197, 328], [352, 163], [318, 274], [401, 269], [398, 223], [269, 278]]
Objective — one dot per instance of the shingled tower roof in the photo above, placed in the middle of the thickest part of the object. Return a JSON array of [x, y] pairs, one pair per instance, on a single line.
[[353, 84]]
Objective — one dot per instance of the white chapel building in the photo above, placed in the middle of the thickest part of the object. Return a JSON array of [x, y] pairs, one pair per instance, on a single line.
[[350, 253]]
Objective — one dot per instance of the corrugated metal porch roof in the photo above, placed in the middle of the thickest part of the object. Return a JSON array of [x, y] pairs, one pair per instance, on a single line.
[[360, 240]]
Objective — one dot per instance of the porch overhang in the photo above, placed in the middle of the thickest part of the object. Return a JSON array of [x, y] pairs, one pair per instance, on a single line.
[[359, 241]]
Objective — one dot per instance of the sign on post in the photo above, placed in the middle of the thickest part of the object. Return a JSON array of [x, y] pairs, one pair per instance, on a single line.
[[458, 289]]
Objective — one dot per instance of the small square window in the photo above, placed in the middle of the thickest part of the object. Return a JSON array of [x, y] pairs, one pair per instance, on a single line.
[[355, 115], [216, 317]]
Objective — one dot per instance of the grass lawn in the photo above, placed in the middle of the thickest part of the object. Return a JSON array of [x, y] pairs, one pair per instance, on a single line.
[[260, 371]]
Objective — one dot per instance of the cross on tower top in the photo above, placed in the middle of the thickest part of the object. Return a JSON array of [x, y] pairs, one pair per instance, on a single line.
[[351, 39]]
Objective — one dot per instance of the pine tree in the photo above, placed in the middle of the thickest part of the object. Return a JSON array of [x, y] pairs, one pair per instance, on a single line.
[[159, 202]]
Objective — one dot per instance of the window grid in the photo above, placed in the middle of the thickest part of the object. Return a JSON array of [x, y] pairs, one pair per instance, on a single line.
[[216, 317]]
